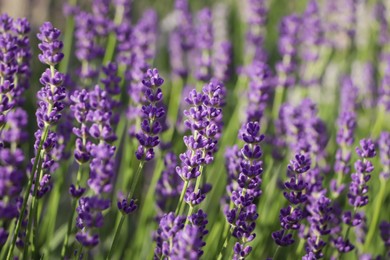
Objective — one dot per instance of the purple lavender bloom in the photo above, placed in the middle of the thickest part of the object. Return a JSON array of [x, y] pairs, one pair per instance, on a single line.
[[256, 22], [102, 22], [126, 206], [304, 130], [187, 244], [51, 102], [21, 27], [80, 107], [291, 216], [204, 45], [244, 182], [204, 119], [384, 152], [384, 90], [358, 189], [169, 184], [181, 39], [169, 226], [340, 24], [311, 38], [12, 168], [222, 58], [260, 85], [50, 45], [90, 217], [320, 215], [288, 42], [384, 228], [87, 48], [151, 112], [311, 32]]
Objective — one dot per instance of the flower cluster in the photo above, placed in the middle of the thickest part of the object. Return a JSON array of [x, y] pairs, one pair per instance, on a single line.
[[256, 22], [204, 119], [204, 45], [178, 241], [384, 152], [291, 216], [151, 113], [288, 40], [51, 102], [245, 189], [320, 216]]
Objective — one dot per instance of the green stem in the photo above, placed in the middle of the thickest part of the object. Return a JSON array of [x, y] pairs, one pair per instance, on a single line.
[[173, 106], [276, 253], [27, 194], [70, 221], [131, 193], [111, 43], [374, 222], [197, 184], [223, 254], [181, 199], [79, 252], [277, 101], [32, 218], [379, 122], [68, 39]]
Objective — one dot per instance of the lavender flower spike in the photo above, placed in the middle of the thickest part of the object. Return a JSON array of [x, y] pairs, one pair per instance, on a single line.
[[291, 216], [244, 189], [151, 112]]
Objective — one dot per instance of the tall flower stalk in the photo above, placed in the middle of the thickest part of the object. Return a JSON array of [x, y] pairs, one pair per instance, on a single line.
[[148, 139], [244, 189], [51, 104]]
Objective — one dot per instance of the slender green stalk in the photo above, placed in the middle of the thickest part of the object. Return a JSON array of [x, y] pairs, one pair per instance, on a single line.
[[27, 193], [131, 193], [223, 254], [375, 217], [197, 184], [276, 253], [277, 101], [32, 216], [111, 43], [68, 39], [379, 121], [173, 106], [70, 221], [181, 199]]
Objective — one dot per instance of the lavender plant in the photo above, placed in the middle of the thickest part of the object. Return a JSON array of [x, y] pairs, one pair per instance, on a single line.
[[164, 128]]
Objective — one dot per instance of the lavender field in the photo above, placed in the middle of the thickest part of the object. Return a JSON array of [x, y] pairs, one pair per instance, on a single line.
[[184, 129]]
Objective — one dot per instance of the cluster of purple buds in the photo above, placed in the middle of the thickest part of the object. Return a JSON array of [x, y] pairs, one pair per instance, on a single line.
[[384, 152], [311, 38], [151, 113], [204, 45], [181, 39], [87, 47], [176, 240], [358, 189], [320, 215], [303, 129], [358, 192], [15, 55], [385, 235], [291, 216], [260, 85], [93, 111], [51, 102], [288, 43], [384, 90], [90, 216], [222, 46], [244, 189], [256, 22], [204, 119], [169, 185]]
